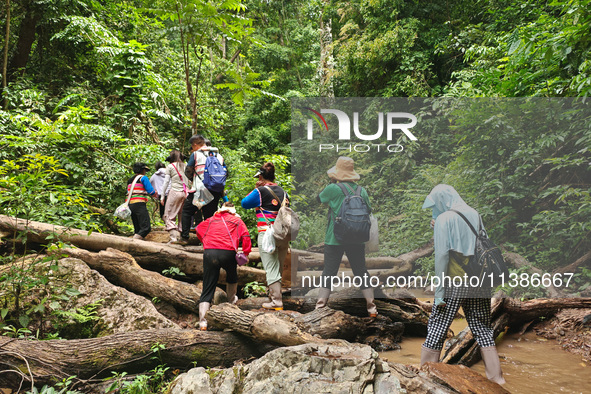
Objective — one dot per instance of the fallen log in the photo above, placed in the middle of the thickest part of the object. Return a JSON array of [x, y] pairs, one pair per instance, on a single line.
[[519, 261], [289, 328], [326, 323], [121, 269], [411, 315], [524, 311], [400, 264], [461, 379], [91, 360], [145, 253], [262, 326], [583, 260]]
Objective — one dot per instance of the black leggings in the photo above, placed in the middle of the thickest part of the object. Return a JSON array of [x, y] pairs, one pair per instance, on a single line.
[[189, 210], [213, 260], [332, 260]]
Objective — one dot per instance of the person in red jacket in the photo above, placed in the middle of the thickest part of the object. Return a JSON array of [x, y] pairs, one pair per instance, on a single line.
[[221, 235]]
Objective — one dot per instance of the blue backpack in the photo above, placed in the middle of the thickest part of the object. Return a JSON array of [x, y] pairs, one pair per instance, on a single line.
[[214, 174]]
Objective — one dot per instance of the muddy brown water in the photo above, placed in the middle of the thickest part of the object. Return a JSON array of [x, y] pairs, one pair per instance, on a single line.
[[530, 364]]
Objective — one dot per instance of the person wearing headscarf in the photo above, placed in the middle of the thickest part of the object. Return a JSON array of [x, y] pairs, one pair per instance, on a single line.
[[221, 234], [454, 244], [343, 172], [266, 199]]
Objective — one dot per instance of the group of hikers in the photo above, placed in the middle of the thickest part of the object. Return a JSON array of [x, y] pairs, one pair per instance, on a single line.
[[221, 231]]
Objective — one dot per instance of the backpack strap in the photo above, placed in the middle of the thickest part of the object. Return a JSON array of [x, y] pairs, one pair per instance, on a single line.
[[275, 195], [468, 222]]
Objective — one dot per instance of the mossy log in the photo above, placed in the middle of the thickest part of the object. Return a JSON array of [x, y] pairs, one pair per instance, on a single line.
[[91, 360], [145, 253]]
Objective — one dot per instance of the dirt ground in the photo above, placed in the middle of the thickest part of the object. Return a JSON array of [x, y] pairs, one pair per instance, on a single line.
[[571, 328]]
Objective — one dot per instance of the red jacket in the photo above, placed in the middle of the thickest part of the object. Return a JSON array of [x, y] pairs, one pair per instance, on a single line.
[[213, 234]]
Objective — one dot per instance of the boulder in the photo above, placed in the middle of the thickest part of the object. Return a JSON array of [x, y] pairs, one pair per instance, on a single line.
[[336, 367], [118, 310]]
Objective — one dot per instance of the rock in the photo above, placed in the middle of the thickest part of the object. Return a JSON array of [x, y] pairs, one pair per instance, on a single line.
[[118, 310], [337, 367]]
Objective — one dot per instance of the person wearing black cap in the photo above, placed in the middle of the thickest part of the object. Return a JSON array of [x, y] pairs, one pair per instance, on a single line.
[[266, 198], [142, 188]]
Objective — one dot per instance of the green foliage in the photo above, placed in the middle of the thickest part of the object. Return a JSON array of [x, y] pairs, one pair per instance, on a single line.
[[254, 289], [172, 272], [155, 381], [59, 388], [78, 323]]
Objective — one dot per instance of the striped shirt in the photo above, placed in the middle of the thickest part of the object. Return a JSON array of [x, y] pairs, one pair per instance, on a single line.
[[267, 206], [141, 189]]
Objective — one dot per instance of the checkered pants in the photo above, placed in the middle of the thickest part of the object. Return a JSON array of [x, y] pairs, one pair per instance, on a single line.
[[477, 311]]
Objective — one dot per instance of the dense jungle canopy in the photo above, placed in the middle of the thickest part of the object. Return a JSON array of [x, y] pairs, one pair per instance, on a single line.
[[90, 87]]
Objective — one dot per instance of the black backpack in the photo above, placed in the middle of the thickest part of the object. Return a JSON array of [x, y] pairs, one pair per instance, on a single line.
[[487, 263], [352, 224]]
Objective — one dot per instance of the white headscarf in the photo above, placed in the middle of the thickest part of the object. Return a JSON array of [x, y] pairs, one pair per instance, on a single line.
[[451, 231], [231, 210]]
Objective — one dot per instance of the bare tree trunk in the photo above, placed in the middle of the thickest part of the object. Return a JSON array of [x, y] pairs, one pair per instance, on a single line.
[[92, 360], [326, 63], [186, 63], [5, 60], [26, 38]]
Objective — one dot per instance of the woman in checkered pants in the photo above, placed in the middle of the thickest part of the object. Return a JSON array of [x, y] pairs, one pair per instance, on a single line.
[[454, 244]]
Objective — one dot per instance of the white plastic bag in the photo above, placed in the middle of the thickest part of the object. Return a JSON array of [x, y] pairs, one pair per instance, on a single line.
[[123, 212], [373, 244], [202, 196], [268, 241]]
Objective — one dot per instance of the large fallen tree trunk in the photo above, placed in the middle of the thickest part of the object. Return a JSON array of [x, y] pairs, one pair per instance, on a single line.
[[146, 254], [92, 360], [411, 315], [290, 327], [121, 269]]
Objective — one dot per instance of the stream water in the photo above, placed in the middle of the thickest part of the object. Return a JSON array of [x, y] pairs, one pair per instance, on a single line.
[[530, 364]]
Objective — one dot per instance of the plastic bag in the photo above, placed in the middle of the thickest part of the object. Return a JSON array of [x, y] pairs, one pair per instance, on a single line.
[[202, 195], [268, 241], [123, 212], [373, 244]]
